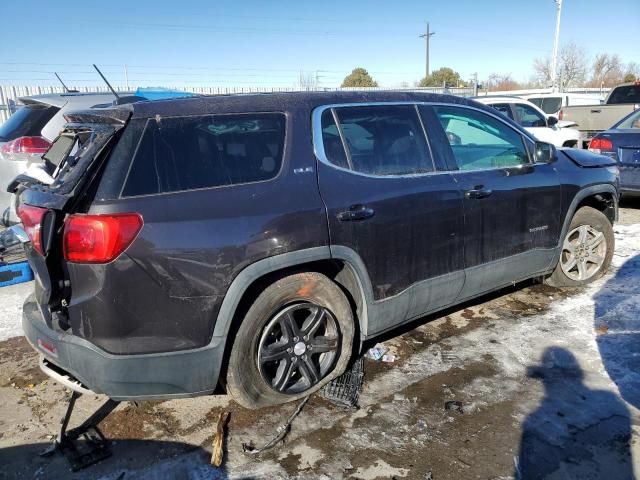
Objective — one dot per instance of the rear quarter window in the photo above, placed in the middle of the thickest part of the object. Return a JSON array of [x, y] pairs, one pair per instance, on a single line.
[[187, 153], [625, 94]]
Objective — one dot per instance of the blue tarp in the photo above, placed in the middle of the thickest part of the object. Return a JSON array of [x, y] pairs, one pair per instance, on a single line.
[[159, 93]]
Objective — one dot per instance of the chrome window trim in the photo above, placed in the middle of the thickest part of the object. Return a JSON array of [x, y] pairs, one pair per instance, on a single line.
[[318, 145]]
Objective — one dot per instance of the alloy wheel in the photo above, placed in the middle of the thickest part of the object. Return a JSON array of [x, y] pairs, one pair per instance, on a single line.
[[298, 347], [583, 253]]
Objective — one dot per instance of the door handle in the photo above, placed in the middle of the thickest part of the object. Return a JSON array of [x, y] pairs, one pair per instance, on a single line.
[[478, 192], [355, 213], [596, 111]]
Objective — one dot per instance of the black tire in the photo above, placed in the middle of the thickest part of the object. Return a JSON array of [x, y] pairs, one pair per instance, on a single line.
[[246, 372], [595, 221]]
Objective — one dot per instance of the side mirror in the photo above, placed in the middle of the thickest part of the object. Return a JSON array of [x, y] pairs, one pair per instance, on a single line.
[[551, 121], [544, 153]]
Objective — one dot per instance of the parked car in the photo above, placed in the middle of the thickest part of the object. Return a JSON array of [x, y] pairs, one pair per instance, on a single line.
[[257, 240], [591, 119], [28, 133], [622, 143], [544, 127], [552, 103]]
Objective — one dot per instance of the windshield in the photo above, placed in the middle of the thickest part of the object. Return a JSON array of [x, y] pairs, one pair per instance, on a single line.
[[632, 121], [549, 105], [27, 121], [626, 94]]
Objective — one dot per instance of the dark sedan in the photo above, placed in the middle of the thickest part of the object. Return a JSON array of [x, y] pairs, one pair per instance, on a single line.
[[622, 142]]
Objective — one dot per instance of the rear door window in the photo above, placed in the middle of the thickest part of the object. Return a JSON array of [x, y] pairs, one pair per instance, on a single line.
[[479, 141], [27, 121], [187, 153], [549, 105], [528, 116], [379, 140], [504, 109]]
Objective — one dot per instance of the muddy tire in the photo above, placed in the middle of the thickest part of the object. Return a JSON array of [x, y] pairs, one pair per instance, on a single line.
[[296, 337], [587, 250]]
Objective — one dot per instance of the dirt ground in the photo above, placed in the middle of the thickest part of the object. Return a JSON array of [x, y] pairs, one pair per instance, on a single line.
[[546, 384]]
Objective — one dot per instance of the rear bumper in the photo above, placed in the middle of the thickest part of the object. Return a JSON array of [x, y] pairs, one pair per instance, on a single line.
[[185, 373]]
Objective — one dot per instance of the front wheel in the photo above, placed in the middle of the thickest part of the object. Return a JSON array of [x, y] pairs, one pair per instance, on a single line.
[[587, 250], [295, 338]]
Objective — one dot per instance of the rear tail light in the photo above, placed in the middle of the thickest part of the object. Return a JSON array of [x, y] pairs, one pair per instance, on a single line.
[[600, 145], [99, 238], [32, 218], [24, 147], [561, 115]]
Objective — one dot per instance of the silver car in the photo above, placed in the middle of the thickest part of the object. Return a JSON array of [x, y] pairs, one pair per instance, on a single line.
[[27, 134]]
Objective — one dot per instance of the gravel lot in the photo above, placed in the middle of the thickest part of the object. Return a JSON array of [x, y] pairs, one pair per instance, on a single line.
[[548, 382]]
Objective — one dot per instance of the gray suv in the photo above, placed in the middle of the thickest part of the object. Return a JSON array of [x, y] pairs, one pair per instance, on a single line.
[[255, 241]]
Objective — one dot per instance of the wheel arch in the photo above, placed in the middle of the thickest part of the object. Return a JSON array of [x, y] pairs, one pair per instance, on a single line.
[[344, 268], [602, 197]]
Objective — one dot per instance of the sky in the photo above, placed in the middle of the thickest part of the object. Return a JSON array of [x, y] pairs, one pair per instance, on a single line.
[[265, 44]]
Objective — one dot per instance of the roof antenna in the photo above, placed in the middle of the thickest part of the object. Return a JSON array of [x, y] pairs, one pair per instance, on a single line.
[[66, 89], [108, 84]]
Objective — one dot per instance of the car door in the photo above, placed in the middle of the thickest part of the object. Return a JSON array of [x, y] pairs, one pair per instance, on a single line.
[[389, 209], [511, 205], [535, 123]]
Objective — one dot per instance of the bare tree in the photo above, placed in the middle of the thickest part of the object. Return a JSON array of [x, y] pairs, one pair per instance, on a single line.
[[572, 68], [307, 81], [632, 72], [500, 82], [607, 70], [542, 71]]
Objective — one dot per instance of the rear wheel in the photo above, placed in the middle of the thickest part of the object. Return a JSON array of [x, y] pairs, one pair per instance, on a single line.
[[296, 337], [587, 250]]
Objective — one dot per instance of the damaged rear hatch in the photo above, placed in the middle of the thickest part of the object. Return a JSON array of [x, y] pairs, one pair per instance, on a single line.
[[75, 161]]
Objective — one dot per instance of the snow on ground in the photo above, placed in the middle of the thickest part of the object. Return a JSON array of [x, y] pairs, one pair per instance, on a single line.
[[12, 298]]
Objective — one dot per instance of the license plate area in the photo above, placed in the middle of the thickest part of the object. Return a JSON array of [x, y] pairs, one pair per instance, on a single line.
[[629, 156]]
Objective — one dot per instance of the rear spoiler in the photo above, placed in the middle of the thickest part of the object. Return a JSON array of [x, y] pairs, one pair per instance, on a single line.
[[112, 116]]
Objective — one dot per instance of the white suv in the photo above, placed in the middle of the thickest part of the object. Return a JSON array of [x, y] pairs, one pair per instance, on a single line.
[[544, 127]]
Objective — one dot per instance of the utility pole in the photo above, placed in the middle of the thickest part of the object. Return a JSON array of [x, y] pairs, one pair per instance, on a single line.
[[427, 36], [126, 76], [554, 58]]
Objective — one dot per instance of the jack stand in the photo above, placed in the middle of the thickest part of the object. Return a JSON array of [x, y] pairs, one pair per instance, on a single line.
[[95, 446]]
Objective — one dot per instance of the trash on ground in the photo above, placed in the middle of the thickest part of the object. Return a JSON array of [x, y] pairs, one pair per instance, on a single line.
[[218, 439], [388, 358], [281, 432], [345, 389], [453, 405], [376, 353]]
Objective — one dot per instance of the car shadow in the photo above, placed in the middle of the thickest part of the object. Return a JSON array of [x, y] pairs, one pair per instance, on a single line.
[[576, 432], [617, 325], [139, 459]]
